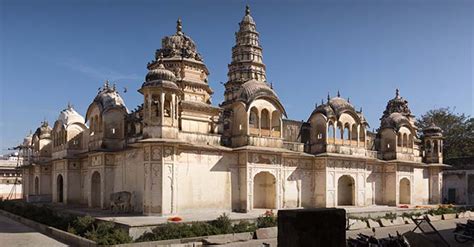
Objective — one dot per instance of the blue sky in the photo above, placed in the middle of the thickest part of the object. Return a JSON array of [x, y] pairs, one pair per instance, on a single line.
[[52, 53]]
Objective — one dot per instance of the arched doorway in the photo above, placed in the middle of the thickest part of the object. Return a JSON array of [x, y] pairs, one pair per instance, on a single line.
[[264, 190], [345, 191], [404, 193], [36, 185], [95, 190], [60, 188]]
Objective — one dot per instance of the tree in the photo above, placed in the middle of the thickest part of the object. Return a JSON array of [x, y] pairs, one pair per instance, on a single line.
[[458, 131]]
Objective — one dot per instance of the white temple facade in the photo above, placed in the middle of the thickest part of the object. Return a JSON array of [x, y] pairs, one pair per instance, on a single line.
[[178, 153]]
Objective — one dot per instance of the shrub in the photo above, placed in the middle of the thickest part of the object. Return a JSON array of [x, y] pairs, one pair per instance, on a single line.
[[223, 224], [102, 233], [244, 226], [105, 233], [267, 220]]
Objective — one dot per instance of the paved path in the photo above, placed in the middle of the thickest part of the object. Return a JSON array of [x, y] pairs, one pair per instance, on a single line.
[[15, 234]]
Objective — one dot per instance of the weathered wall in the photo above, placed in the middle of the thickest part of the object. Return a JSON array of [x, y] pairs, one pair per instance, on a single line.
[[203, 180]]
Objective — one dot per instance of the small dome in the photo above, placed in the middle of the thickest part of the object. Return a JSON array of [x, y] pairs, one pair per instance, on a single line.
[[252, 89], [433, 130], [326, 110], [178, 45], [69, 116], [27, 140], [108, 97], [395, 121], [44, 131], [160, 76], [247, 18], [397, 104], [339, 105]]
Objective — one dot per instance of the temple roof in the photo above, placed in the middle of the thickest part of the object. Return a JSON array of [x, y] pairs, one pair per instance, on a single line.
[[397, 113], [178, 45], [69, 116]]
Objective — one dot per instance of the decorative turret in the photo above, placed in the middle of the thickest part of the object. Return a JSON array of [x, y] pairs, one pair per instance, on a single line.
[[161, 100], [397, 131], [179, 55], [433, 144]]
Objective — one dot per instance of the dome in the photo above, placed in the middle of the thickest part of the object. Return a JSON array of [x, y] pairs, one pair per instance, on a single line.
[[339, 105], [108, 98], [69, 116], [433, 130], [395, 121], [178, 45], [44, 131], [397, 104], [326, 110], [160, 76], [253, 89], [27, 140]]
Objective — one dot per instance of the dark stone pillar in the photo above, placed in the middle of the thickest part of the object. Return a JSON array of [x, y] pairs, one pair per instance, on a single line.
[[312, 227]]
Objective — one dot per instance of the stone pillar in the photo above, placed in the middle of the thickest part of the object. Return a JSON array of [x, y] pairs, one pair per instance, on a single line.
[[435, 185]]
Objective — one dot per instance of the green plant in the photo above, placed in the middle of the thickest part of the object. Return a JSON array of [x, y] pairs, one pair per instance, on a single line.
[[244, 226], [267, 220], [105, 233], [223, 224]]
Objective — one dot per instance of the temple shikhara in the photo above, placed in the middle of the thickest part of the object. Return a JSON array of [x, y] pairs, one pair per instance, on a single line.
[[178, 153]]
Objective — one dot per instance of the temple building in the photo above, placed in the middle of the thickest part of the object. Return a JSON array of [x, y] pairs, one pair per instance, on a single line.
[[178, 153]]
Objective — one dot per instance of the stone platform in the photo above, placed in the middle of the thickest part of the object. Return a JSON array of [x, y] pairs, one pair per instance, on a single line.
[[137, 224]]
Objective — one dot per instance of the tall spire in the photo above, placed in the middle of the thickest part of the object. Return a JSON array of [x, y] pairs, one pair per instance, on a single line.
[[247, 63]]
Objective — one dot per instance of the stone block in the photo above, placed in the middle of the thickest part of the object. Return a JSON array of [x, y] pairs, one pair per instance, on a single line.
[[312, 227], [398, 221], [385, 222], [449, 216], [461, 215], [228, 238], [266, 233], [372, 223], [468, 214], [434, 217], [356, 224]]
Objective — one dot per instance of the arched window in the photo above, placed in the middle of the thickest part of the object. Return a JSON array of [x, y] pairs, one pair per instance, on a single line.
[[399, 140], [341, 131], [276, 118], [354, 132], [265, 119], [167, 106], [435, 147], [410, 141], [405, 140], [361, 133], [330, 130], [347, 133], [253, 118]]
